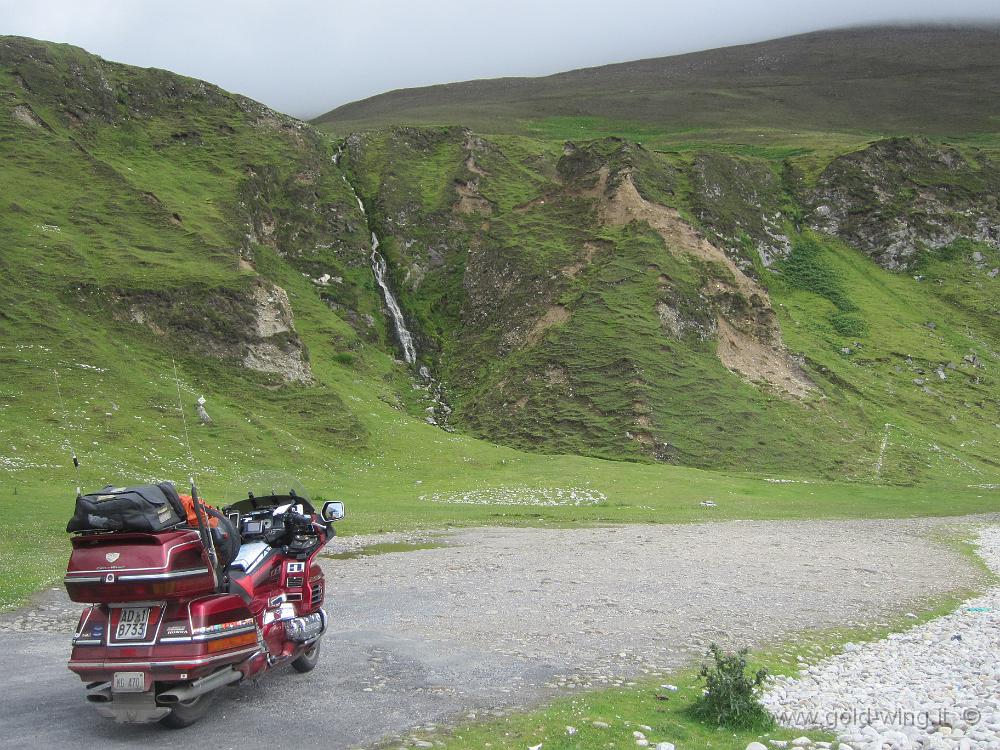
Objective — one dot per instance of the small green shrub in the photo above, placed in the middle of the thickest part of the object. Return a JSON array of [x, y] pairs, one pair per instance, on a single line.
[[731, 694], [849, 324], [344, 358], [805, 269]]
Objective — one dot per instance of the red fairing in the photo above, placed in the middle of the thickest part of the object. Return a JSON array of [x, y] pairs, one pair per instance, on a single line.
[[136, 566]]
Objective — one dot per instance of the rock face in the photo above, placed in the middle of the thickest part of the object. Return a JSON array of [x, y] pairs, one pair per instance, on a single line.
[[902, 196], [742, 203], [275, 347]]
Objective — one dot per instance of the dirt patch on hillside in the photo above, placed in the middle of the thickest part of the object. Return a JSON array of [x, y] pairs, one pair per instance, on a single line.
[[26, 116], [470, 164], [759, 363], [759, 356], [555, 315], [626, 205], [590, 251], [470, 201]]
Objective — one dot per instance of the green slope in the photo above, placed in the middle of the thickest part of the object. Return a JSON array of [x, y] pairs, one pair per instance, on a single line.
[[548, 323], [149, 221]]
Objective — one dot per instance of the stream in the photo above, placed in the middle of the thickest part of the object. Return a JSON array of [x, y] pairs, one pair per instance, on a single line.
[[403, 334], [439, 410]]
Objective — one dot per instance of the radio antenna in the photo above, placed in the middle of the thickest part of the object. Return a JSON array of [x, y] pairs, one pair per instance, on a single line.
[[200, 514], [180, 408], [65, 420]]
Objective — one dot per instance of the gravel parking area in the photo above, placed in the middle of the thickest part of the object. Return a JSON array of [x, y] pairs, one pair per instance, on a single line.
[[503, 617]]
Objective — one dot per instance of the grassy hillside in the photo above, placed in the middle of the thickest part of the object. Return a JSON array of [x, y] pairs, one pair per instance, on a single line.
[[149, 221], [720, 324], [936, 80]]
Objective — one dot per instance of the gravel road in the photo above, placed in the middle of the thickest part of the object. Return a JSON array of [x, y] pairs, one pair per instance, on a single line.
[[498, 618]]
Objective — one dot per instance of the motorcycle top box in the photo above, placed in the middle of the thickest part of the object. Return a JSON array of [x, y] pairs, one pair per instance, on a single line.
[[132, 566]]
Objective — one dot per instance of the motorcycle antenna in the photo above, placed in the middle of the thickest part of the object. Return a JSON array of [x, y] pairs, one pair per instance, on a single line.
[[69, 442], [180, 408], [199, 507]]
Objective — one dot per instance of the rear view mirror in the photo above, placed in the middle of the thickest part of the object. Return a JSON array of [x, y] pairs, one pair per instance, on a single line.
[[333, 510]]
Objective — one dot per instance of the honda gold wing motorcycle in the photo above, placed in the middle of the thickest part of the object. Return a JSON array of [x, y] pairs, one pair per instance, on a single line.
[[183, 599]]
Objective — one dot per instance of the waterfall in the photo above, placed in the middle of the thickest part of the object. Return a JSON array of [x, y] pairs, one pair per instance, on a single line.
[[439, 411], [379, 269], [402, 333]]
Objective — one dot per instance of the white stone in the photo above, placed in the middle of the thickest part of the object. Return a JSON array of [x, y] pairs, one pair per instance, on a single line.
[[944, 668]]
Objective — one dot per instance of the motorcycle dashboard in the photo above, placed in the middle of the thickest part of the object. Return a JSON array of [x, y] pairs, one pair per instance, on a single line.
[[254, 523]]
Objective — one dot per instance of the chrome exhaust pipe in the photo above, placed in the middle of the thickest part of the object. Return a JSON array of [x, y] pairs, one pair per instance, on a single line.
[[199, 687], [99, 693]]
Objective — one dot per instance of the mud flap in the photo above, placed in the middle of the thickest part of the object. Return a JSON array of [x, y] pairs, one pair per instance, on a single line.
[[132, 708]]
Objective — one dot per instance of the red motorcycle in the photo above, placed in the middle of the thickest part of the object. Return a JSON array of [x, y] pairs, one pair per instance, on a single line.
[[180, 609]]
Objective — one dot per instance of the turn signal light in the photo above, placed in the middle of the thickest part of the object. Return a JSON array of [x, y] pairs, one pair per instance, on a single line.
[[233, 641]]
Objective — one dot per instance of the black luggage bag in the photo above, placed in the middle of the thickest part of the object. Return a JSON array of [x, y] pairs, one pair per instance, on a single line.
[[149, 507]]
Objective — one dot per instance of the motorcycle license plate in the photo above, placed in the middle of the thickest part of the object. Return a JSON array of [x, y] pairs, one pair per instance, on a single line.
[[132, 624], [129, 682]]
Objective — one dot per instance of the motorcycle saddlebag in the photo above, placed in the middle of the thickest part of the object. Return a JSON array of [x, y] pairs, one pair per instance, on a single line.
[[149, 507]]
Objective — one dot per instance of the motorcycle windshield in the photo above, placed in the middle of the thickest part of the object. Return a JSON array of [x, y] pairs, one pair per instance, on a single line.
[[273, 489]]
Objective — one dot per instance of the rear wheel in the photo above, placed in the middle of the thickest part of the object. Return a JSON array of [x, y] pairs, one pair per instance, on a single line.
[[308, 660], [186, 713]]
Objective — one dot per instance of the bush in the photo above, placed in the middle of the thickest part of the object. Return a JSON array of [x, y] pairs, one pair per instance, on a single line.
[[849, 324], [805, 268], [731, 695]]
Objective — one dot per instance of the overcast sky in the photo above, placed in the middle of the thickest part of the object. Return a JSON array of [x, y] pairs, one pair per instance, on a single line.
[[307, 56]]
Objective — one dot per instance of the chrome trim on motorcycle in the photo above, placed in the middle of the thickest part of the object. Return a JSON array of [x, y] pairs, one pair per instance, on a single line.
[[162, 576], [196, 661]]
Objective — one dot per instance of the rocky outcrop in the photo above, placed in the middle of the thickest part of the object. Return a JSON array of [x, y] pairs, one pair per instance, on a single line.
[[253, 327], [740, 201], [903, 196]]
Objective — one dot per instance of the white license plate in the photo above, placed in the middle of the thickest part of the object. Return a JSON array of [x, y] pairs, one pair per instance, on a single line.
[[132, 624], [129, 682]]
